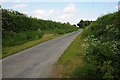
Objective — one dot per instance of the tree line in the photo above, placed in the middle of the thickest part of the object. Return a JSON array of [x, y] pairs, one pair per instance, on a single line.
[[16, 24], [14, 21], [84, 23]]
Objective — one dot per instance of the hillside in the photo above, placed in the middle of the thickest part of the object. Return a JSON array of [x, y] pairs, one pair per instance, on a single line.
[[18, 29], [95, 53]]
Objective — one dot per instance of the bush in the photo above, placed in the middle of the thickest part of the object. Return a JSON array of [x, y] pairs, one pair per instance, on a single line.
[[103, 51]]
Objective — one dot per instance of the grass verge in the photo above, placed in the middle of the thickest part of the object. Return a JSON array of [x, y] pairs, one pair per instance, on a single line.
[[12, 50], [71, 58]]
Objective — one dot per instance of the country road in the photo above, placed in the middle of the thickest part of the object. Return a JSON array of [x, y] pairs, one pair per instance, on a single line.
[[37, 62]]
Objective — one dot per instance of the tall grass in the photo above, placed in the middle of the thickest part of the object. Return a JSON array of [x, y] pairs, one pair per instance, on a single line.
[[20, 38]]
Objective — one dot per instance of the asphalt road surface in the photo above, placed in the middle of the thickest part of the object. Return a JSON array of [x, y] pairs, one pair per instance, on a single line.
[[37, 62]]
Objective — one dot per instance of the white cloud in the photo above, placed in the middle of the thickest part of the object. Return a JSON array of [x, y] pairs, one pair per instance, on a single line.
[[19, 5], [2, 0], [24, 12], [41, 13], [51, 11], [116, 7], [64, 15], [14, 0], [69, 9]]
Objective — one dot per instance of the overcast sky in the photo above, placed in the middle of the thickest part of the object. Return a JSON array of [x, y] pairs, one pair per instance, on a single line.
[[71, 12]]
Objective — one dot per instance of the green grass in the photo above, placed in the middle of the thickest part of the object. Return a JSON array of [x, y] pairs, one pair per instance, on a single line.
[[71, 58], [14, 39], [12, 50]]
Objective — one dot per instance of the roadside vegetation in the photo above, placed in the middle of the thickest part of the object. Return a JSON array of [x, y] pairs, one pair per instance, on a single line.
[[20, 30], [95, 53]]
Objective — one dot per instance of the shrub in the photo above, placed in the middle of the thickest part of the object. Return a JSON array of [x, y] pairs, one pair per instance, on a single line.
[[103, 51]]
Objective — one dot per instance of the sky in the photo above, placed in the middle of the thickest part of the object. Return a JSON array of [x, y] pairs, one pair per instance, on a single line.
[[71, 12]]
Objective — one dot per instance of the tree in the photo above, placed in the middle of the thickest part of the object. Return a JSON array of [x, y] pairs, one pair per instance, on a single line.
[[82, 23]]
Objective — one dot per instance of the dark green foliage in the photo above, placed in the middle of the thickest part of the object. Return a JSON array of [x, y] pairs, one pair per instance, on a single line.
[[103, 50], [17, 22], [83, 24], [18, 28]]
